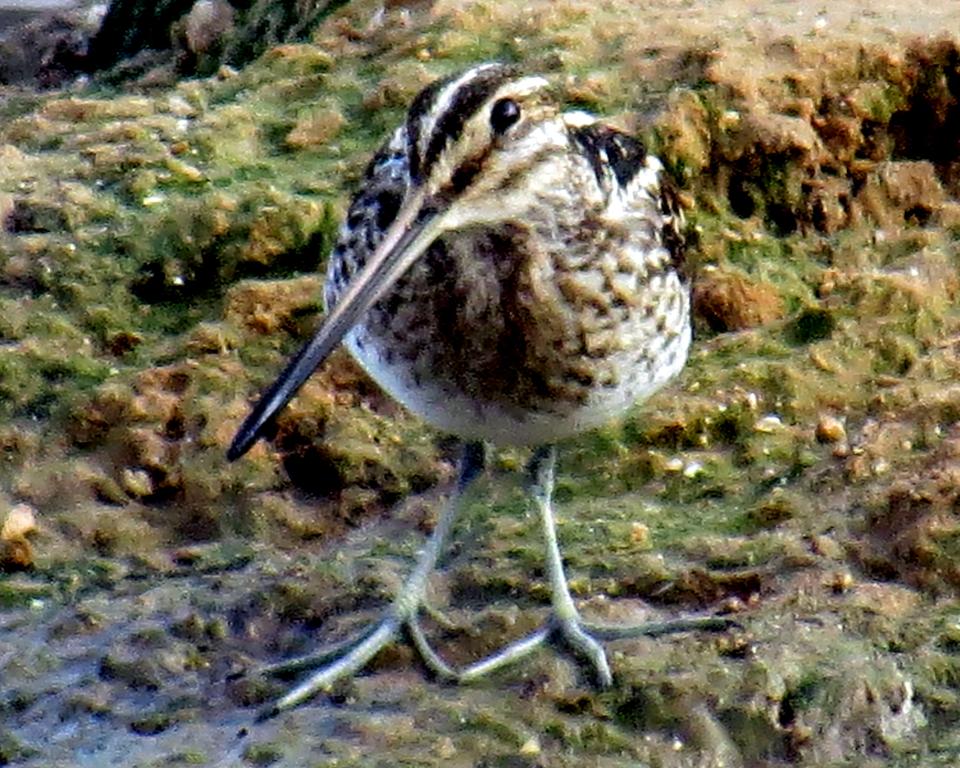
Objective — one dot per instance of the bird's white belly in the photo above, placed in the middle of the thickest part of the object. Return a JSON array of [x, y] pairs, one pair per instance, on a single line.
[[501, 422]]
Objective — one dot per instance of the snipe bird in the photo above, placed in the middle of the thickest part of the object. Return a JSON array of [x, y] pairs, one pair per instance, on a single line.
[[511, 273]]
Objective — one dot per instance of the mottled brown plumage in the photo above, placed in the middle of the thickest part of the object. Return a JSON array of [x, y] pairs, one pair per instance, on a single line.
[[510, 272]]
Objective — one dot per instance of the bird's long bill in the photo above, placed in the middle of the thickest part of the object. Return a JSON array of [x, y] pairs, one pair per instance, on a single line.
[[408, 237]]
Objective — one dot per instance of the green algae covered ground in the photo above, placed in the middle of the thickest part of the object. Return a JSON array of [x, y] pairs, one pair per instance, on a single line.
[[159, 257]]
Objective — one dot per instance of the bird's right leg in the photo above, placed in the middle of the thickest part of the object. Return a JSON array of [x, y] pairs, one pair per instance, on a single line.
[[350, 657], [565, 624]]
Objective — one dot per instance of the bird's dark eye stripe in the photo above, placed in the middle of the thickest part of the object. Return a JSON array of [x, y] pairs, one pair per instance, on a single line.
[[464, 175], [463, 104]]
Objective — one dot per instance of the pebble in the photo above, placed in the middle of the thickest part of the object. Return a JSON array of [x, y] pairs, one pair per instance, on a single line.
[[830, 430], [20, 521]]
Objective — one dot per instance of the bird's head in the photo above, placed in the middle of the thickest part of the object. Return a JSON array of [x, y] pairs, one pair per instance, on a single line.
[[476, 144]]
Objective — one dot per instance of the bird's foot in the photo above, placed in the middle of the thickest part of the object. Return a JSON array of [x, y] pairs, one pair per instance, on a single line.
[[347, 658], [581, 637], [330, 664]]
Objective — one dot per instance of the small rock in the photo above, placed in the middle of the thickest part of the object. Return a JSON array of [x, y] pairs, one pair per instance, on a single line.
[[531, 747], [136, 482], [674, 464], [768, 424], [639, 534], [830, 430], [20, 521]]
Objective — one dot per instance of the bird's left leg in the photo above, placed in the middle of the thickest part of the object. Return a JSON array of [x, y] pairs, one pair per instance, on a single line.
[[568, 624]]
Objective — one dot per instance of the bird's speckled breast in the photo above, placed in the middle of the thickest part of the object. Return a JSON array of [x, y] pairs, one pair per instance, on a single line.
[[493, 335]]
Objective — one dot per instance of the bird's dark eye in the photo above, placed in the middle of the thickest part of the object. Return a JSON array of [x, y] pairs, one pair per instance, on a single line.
[[505, 113]]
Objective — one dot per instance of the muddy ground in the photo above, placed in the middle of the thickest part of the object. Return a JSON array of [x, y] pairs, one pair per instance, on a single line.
[[160, 248]]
